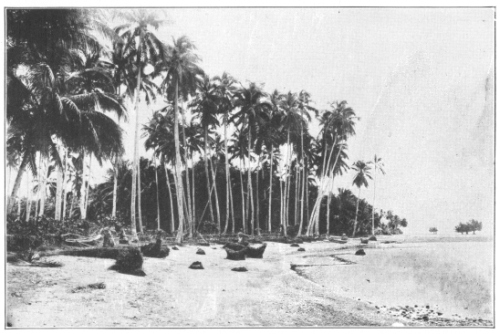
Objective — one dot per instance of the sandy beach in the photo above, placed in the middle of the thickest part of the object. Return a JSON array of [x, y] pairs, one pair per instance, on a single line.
[[330, 286]]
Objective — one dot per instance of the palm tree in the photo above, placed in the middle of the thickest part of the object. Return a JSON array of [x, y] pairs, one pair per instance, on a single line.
[[377, 164], [252, 109], [360, 179], [147, 49], [225, 90], [206, 106], [182, 72]]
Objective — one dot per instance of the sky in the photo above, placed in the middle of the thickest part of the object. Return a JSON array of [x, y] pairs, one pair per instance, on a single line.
[[421, 81]]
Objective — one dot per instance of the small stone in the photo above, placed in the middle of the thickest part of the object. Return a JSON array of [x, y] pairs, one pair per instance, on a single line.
[[294, 245], [301, 249], [239, 269], [196, 265], [200, 251], [175, 248], [360, 252]]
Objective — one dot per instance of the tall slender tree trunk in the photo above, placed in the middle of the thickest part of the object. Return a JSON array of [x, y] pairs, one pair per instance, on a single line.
[[296, 195], [187, 201], [39, 183], [180, 189], [250, 190], [233, 222], [64, 192], [243, 214], [373, 206], [205, 151], [59, 192], [73, 199], [270, 190], [115, 187], [139, 193], [157, 193], [303, 187], [136, 149], [328, 202], [226, 166], [214, 185], [172, 219], [43, 189], [28, 197], [193, 214], [257, 200], [17, 182], [356, 215]]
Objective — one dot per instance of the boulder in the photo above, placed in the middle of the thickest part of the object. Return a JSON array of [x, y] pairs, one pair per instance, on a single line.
[[372, 238], [301, 249], [239, 269], [360, 252], [175, 248], [129, 261], [294, 245], [200, 251], [235, 255], [196, 265], [256, 252]]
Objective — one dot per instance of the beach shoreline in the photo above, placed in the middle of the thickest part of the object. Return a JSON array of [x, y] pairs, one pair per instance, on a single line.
[[171, 295]]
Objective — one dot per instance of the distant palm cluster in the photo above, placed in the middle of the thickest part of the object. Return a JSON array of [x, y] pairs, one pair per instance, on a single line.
[[225, 156], [471, 226]]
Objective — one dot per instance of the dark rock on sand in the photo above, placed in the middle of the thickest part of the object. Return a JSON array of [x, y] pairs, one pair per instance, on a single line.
[[155, 249], [256, 252], [200, 251], [196, 265], [372, 238], [239, 269], [294, 245], [129, 261], [360, 252], [236, 255], [301, 249], [175, 248]]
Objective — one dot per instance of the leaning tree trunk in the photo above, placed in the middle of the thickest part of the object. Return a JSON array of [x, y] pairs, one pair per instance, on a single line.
[[157, 194], [243, 215], [328, 202], [172, 219], [270, 190], [356, 215], [178, 175], [205, 151], [19, 177], [250, 190]]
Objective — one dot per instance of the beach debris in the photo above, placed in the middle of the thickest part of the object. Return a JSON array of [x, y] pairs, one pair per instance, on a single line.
[[239, 269], [123, 240], [364, 241], [93, 286], [234, 246], [196, 265], [360, 252], [236, 255], [129, 261], [155, 249], [200, 251], [301, 249], [256, 252], [294, 245], [108, 240], [372, 238]]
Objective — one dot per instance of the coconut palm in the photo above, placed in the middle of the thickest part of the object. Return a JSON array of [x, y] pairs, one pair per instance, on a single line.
[[361, 177], [253, 108], [377, 165], [182, 74], [225, 90], [147, 49]]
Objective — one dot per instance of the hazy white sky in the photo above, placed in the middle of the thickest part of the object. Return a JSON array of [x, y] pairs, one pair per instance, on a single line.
[[420, 79]]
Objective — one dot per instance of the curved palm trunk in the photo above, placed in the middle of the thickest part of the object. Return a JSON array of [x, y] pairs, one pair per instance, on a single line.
[[214, 186], [243, 215], [226, 165], [356, 216], [178, 175], [250, 190], [270, 190], [172, 219], [157, 193], [205, 151]]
